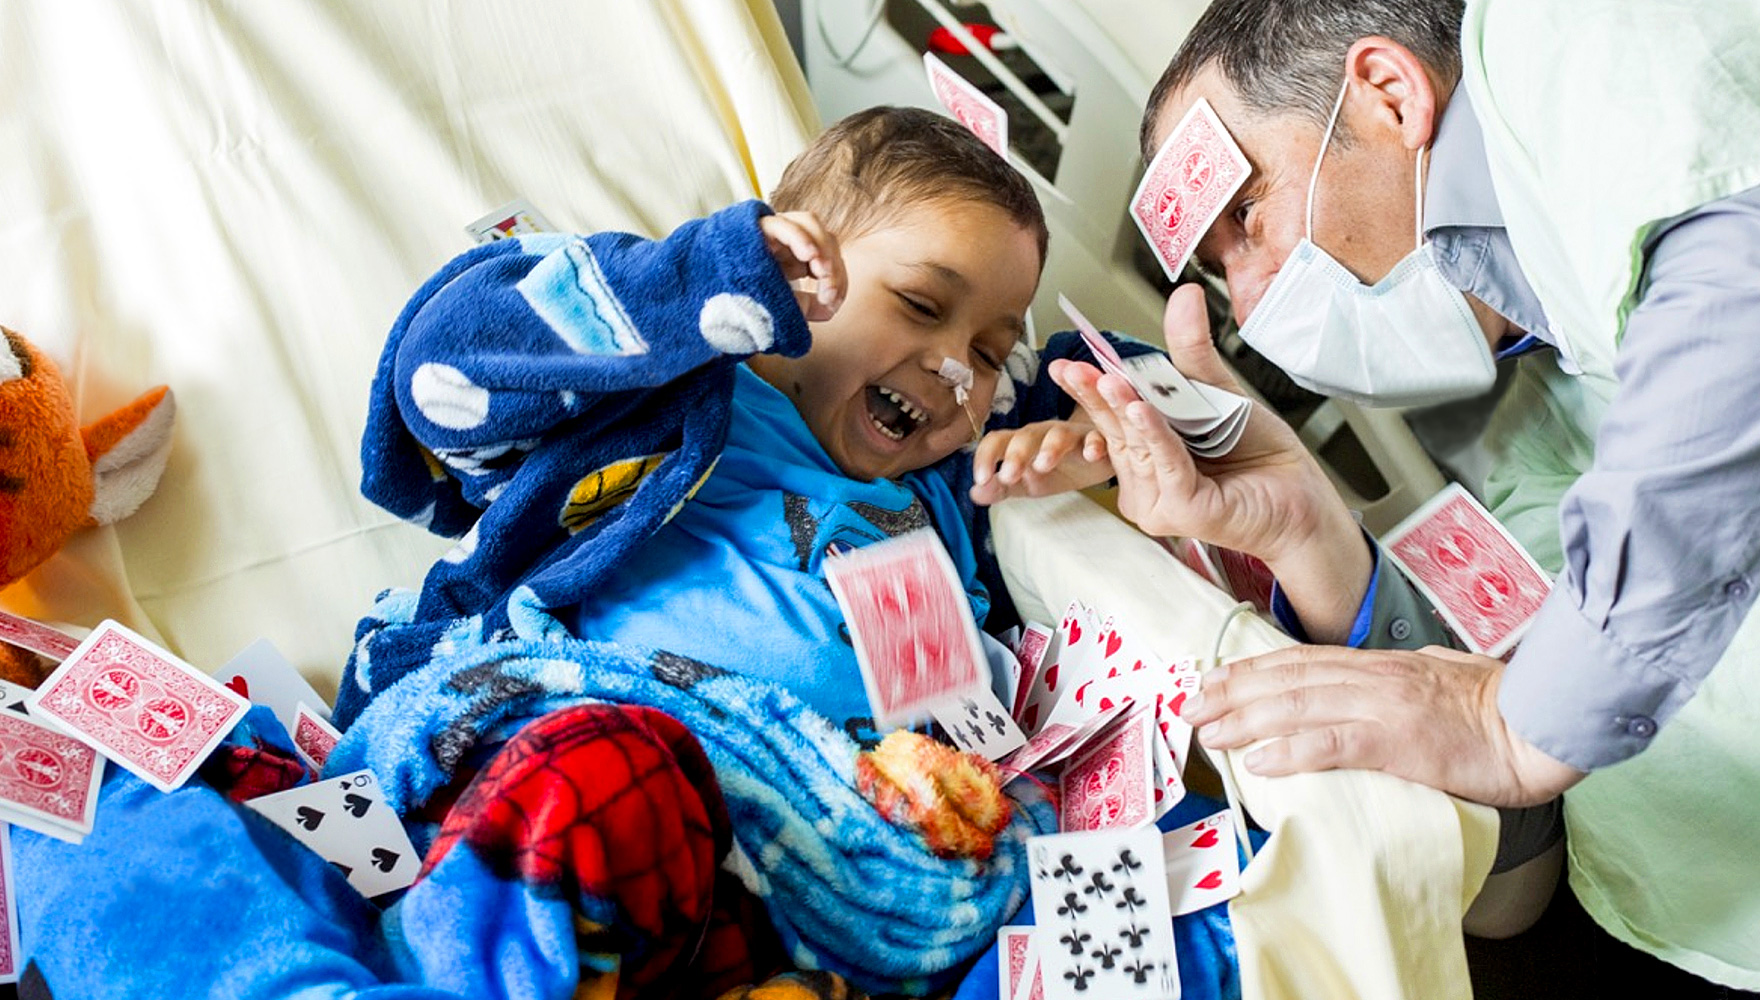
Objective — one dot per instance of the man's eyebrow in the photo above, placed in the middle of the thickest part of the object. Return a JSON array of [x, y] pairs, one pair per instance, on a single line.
[[942, 272]]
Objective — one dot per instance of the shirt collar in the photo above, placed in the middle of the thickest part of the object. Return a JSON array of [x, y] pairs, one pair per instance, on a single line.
[[1458, 191]]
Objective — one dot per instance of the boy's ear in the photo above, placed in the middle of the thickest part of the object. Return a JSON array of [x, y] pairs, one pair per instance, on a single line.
[[128, 450]]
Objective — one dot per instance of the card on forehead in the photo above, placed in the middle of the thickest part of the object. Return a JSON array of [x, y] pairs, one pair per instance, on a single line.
[[1191, 179], [968, 105], [313, 737], [979, 724], [515, 218], [10, 953], [346, 821], [48, 779], [1203, 868], [1112, 783], [911, 624], [261, 674], [138, 705], [36, 637], [1104, 925], [1483, 582]]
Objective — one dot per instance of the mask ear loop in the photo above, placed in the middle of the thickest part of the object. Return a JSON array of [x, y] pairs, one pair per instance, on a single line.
[[1418, 196], [1325, 141]]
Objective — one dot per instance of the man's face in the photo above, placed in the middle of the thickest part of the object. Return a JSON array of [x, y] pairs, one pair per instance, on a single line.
[[948, 279], [1364, 206]]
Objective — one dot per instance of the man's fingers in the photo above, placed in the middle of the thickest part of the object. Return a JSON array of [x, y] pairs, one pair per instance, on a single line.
[[1302, 707], [1229, 687], [1351, 744], [1185, 325]]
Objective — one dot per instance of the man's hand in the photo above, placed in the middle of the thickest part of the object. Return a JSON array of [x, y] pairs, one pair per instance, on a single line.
[[1429, 716], [1049, 457], [1268, 497], [806, 251]]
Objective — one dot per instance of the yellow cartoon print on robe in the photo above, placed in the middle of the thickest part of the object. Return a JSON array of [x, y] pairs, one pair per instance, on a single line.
[[604, 488]]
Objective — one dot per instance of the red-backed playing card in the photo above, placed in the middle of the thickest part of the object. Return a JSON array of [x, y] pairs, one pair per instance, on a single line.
[[911, 623], [1485, 585], [48, 780], [312, 736], [138, 705], [968, 105], [36, 637], [1112, 784], [10, 956], [1188, 183]]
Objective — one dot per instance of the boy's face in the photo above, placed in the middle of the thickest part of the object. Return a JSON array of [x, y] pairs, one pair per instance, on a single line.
[[948, 279]]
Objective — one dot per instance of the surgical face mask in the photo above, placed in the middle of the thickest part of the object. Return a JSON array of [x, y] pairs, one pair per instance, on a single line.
[[1410, 338]]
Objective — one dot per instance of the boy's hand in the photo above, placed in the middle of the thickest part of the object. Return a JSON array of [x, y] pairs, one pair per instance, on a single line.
[[1052, 456], [804, 249]]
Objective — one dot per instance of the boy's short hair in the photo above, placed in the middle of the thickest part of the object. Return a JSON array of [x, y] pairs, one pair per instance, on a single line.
[[860, 172]]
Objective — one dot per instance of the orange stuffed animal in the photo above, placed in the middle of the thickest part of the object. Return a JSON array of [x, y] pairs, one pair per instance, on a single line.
[[57, 477]]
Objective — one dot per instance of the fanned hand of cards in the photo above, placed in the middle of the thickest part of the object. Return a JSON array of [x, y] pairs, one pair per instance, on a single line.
[[1210, 420]]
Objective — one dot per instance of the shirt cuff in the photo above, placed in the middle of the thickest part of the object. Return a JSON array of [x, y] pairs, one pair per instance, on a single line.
[[1360, 628], [1579, 696]]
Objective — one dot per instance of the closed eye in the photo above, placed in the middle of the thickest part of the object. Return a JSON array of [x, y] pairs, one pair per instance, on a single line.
[[922, 308]]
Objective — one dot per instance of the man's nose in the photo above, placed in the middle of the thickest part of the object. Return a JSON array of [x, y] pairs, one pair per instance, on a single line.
[[1245, 289]]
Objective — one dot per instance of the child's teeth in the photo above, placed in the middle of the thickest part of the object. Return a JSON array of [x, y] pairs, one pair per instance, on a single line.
[[904, 404]]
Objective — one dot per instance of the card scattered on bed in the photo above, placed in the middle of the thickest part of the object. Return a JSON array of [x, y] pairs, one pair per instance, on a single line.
[[138, 705]]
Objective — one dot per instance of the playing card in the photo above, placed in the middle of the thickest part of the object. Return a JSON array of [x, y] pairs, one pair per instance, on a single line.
[[1076, 626], [11, 953], [36, 637], [1105, 929], [1210, 419], [512, 219], [138, 705], [260, 673], [1032, 985], [48, 779], [968, 105], [911, 624], [1202, 866], [1058, 740], [1485, 585], [1163, 387], [313, 737], [13, 698], [1014, 950], [1035, 641], [346, 821], [1249, 579], [1191, 179], [979, 724], [1111, 784]]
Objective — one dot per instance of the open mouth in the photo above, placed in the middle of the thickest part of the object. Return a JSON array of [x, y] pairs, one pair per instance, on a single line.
[[893, 414]]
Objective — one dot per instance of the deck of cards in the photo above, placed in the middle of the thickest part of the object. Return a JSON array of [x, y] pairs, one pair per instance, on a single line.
[[1483, 583], [1210, 420]]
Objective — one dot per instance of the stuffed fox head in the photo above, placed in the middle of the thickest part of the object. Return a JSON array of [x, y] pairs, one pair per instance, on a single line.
[[57, 477]]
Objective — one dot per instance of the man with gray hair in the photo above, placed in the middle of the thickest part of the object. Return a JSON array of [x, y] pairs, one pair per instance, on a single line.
[[1568, 187]]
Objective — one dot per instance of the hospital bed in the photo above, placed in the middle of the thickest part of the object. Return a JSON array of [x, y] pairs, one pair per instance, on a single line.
[[236, 198]]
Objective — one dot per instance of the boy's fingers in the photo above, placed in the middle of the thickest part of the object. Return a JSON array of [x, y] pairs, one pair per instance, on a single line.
[[989, 451], [1080, 381], [1057, 443]]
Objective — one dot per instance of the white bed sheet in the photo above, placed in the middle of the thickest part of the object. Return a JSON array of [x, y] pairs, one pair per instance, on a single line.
[[235, 198]]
